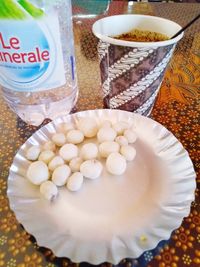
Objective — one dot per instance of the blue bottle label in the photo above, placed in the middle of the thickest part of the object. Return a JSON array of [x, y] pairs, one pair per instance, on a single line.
[[31, 56]]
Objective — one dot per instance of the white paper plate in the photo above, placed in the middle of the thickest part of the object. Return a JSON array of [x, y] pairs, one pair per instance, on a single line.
[[111, 218]]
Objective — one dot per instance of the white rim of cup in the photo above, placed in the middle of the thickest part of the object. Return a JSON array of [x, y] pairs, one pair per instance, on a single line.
[[113, 41]]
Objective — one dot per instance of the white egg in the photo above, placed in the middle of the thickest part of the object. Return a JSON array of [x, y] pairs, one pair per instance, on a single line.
[[121, 140], [48, 190], [66, 126], [75, 181], [130, 136], [61, 174], [33, 153], [75, 164], [55, 162], [106, 123], [106, 134], [68, 152], [46, 156], [88, 126], [106, 148], [128, 152], [91, 168], [59, 139], [89, 151], [75, 136], [37, 172], [116, 164], [120, 127], [49, 145]]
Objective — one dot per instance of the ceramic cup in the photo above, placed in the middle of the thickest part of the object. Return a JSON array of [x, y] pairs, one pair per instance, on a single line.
[[132, 72]]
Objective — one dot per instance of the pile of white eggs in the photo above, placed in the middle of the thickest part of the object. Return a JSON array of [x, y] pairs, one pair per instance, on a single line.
[[71, 155]]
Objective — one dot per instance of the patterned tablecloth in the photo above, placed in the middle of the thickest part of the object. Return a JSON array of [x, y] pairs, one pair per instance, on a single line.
[[177, 108]]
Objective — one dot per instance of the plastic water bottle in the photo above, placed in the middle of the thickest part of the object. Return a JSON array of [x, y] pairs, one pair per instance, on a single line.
[[37, 66]]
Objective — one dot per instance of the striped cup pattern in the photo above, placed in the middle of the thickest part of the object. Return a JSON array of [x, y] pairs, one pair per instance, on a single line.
[[131, 76]]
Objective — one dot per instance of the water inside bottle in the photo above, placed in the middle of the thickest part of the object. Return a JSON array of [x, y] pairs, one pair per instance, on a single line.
[[34, 105]]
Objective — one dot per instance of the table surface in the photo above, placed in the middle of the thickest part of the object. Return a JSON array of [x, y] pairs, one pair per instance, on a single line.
[[177, 108]]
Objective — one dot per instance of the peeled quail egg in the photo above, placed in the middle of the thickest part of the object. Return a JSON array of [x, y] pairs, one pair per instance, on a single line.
[[46, 156], [49, 145], [33, 152], [60, 175], [128, 152], [59, 139], [106, 134], [106, 148], [75, 164], [116, 164], [120, 127], [75, 181], [88, 126], [75, 136], [48, 190], [66, 126], [121, 140], [89, 151], [37, 172], [55, 162], [91, 168], [68, 151], [130, 136]]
